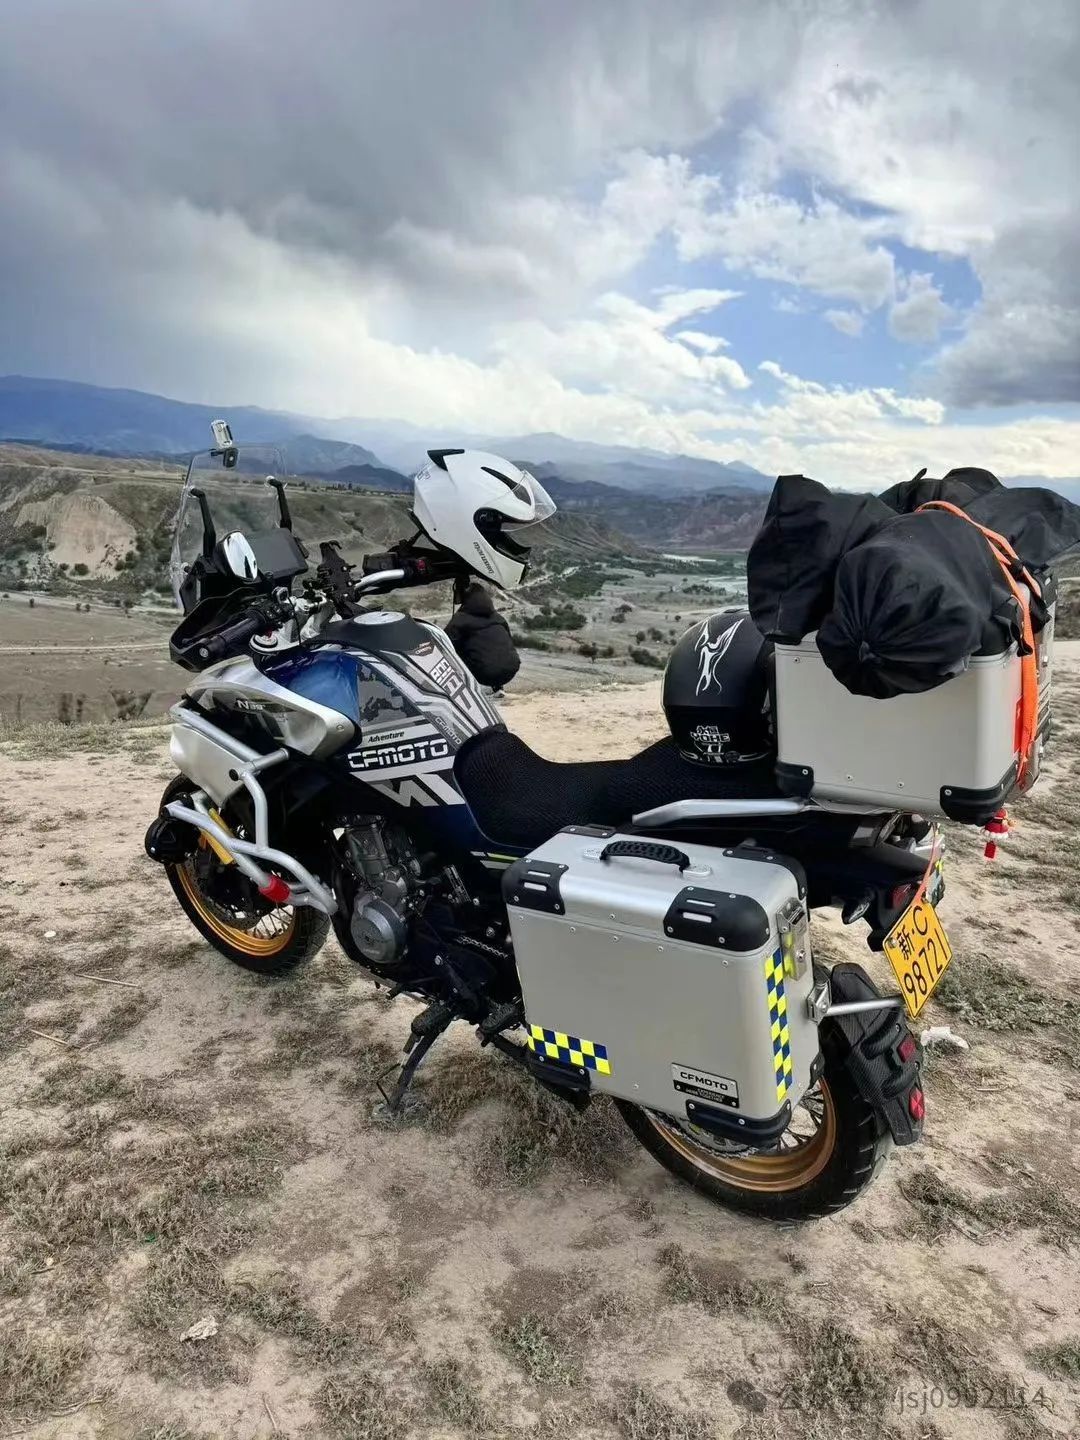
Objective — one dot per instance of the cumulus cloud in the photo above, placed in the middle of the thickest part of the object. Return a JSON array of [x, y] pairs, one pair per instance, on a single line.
[[819, 247], [848, 322], [919, 312], [959, 124], [625, 348]]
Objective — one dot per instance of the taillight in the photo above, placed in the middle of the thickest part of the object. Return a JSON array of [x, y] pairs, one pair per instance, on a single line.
[[907, 1047], [903, 895], [917, 1104]]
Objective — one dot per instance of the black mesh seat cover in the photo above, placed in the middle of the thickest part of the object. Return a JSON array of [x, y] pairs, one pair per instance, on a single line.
[[519, 798]]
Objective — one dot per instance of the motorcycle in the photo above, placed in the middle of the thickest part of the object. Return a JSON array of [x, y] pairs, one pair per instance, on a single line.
[[339, 767]]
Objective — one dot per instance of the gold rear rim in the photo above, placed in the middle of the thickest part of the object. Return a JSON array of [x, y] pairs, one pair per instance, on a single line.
[[266, 935], [802, 1153]]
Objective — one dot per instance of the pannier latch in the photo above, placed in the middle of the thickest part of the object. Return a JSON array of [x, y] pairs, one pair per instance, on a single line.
[[793, 926]]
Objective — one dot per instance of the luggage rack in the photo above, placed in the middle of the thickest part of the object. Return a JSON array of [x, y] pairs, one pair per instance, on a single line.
[[679, 811], [819, 1004]]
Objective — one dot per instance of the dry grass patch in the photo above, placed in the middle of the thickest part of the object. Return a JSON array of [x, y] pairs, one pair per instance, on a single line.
[[275, 1303], [640, 1414], [174, 1205], [356, 1405], [1034, 1203], [36, 1369], [838, 1376], [25, 980], [719, 1287], [120, 1019], [953, 1357], [1060, 1358], [53, 738], [544, 1352], [455, 1396], [530, 1132], [993, 995]]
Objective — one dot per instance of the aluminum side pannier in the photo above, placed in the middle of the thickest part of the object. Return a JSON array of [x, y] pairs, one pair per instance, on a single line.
[[676, 977]]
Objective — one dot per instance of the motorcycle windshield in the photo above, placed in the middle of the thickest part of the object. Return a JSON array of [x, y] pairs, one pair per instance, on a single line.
[[234, 485]]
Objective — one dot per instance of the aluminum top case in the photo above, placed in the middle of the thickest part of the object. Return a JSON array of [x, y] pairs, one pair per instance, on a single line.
[[952, 751], [675, 976]]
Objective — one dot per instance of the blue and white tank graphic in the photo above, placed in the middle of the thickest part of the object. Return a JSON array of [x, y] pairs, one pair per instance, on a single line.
[[414, 704]]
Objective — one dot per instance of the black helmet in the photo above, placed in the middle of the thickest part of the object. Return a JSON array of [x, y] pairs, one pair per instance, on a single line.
[[716, 691]]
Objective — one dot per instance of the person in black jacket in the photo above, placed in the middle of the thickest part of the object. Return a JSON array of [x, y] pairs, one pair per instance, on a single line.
[[482, 638]]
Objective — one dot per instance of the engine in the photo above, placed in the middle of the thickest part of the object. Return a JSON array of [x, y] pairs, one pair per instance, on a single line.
[[387, 872], [410, 920]]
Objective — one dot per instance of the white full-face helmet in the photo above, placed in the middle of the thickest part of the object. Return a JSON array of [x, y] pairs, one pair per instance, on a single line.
[[469, 502]]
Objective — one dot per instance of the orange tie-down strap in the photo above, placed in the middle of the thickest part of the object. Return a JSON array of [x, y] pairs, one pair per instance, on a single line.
[[1010, 562]]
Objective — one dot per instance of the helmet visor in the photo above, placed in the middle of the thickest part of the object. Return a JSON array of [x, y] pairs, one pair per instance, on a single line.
[[545, 507]]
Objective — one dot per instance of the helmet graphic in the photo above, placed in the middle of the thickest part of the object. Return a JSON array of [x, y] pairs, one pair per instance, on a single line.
[[716, 691], [469, 502]]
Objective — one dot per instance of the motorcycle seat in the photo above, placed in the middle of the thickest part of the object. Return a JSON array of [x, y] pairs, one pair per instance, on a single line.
[[520, 799]]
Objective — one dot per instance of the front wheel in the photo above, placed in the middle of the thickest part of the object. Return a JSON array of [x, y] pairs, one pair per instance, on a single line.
[[829, 1154], [228, 911]]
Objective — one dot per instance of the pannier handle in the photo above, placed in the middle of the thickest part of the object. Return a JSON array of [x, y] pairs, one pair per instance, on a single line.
[[646, 850]]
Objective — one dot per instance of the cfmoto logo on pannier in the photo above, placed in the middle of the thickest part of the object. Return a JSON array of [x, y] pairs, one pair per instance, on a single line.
[[691, 1081]]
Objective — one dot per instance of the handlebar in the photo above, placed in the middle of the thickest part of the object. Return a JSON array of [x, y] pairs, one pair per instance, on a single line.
[[380, 578], [396, 569], [221, 645]]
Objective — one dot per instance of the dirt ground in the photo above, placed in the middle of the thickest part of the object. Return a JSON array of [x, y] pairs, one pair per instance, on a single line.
[[182, 1140]]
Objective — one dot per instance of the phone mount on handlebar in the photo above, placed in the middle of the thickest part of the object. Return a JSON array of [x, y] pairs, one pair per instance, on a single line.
[[334, 577]]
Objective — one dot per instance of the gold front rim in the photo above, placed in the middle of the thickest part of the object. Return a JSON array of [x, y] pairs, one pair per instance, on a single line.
[[791, 1166], [276, 927]]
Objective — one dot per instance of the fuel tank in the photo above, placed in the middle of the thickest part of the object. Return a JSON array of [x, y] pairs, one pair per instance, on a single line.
[[387, 693]]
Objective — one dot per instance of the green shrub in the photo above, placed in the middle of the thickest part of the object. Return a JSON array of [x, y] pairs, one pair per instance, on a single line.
[[559, 617], [530, 642], [648, 658]]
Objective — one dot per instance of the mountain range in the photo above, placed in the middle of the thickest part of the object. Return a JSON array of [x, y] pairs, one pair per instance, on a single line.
[[74, 416], [383, 454]]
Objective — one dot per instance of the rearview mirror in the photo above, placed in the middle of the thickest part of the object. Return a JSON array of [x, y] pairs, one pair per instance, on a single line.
[[239, 556]]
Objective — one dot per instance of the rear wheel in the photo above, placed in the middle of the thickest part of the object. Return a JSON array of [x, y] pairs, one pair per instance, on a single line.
[[228, 911], [829, 1154]]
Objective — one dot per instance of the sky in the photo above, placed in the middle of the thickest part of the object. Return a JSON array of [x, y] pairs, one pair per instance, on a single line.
[[832, 236]]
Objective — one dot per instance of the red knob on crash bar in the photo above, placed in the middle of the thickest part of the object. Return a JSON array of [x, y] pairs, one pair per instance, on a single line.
[[276, 890]]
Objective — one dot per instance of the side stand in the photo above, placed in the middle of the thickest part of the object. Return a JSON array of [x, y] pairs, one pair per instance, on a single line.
[[424, 1031]]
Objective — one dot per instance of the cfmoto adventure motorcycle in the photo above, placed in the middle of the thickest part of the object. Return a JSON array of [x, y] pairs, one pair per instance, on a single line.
[[338, 766]]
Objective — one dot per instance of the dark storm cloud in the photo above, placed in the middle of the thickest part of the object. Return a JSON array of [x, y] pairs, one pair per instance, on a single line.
[[326, 127], [192, 191]]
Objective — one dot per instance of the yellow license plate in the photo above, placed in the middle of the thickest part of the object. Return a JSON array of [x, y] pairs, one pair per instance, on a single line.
[[919, 952]]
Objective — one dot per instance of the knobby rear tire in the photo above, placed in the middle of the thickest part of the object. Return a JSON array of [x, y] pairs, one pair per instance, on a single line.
[[847, 1163]]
